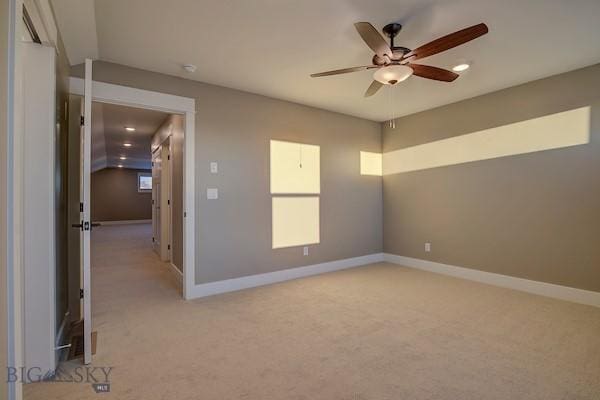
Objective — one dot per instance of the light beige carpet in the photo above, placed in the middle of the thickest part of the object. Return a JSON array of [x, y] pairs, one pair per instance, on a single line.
[[370, 333]]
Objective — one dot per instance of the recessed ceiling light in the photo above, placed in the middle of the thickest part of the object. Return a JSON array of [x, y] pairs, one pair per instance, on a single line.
[[122, 158], [460, 67], [129, 129], [127, 144], [120, 166]]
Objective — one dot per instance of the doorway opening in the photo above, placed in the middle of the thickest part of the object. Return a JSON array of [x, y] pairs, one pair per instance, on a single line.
[[136, 185], [181, 120]]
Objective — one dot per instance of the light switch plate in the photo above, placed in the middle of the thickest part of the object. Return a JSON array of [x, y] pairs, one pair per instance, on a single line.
[[214, 167], [305, 251], [212, 193], [427, 247]]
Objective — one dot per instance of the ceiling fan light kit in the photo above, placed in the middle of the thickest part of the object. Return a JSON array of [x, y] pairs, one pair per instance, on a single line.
[[393, 74], [394, 64]]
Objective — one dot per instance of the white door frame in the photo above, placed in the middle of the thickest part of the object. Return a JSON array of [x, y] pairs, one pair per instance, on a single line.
[[132, 97]]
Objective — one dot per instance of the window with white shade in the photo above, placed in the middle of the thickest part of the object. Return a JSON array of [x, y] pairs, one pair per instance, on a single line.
[[295, 186], [144, 182]]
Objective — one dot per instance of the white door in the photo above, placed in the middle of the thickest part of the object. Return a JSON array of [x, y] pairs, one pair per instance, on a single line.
[[156, 199], [86, 144], [161, 200], [165, 201]]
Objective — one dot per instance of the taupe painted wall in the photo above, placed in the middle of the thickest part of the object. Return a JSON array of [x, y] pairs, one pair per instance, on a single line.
[[4, 13], [173, 126], [234, 128], [114, 196], [534, 216]]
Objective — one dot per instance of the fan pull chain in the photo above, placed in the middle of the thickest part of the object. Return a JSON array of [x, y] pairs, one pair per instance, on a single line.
[[394, 107], [389, 90], [300, 155], [392, 120]]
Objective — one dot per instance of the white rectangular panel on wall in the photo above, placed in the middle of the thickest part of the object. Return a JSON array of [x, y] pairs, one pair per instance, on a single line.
[[295, 168], [295, 221]]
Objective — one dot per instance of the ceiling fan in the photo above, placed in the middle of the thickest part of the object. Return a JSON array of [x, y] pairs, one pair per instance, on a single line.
[[394, 64]]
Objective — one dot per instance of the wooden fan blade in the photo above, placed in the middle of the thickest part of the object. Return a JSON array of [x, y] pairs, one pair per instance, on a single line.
[[343, 71], [373, 39], [449, 41], [375, 86], [435, 73]]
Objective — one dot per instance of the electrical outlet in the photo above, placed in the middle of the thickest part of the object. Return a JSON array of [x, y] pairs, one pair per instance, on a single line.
[[305, 251], [214, 167], [427, 247]]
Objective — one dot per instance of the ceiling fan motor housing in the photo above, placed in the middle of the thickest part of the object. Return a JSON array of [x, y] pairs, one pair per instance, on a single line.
[[400, 50]]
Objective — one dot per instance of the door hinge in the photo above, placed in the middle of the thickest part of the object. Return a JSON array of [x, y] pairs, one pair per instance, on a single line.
[[80, 207], [82, 120], [152, 239], [168, 157], [81, 293], [168, 247], [169, 202]]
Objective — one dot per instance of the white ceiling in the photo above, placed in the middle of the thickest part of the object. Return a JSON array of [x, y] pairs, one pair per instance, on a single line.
[[270, 47], [109, 134]]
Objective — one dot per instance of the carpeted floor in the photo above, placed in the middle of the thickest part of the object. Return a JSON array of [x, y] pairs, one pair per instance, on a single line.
[[371, 333]]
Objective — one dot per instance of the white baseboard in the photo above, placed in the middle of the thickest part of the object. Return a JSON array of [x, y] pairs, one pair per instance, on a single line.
[[176, 273], [126, 222], [231, 285], [540, 288]]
